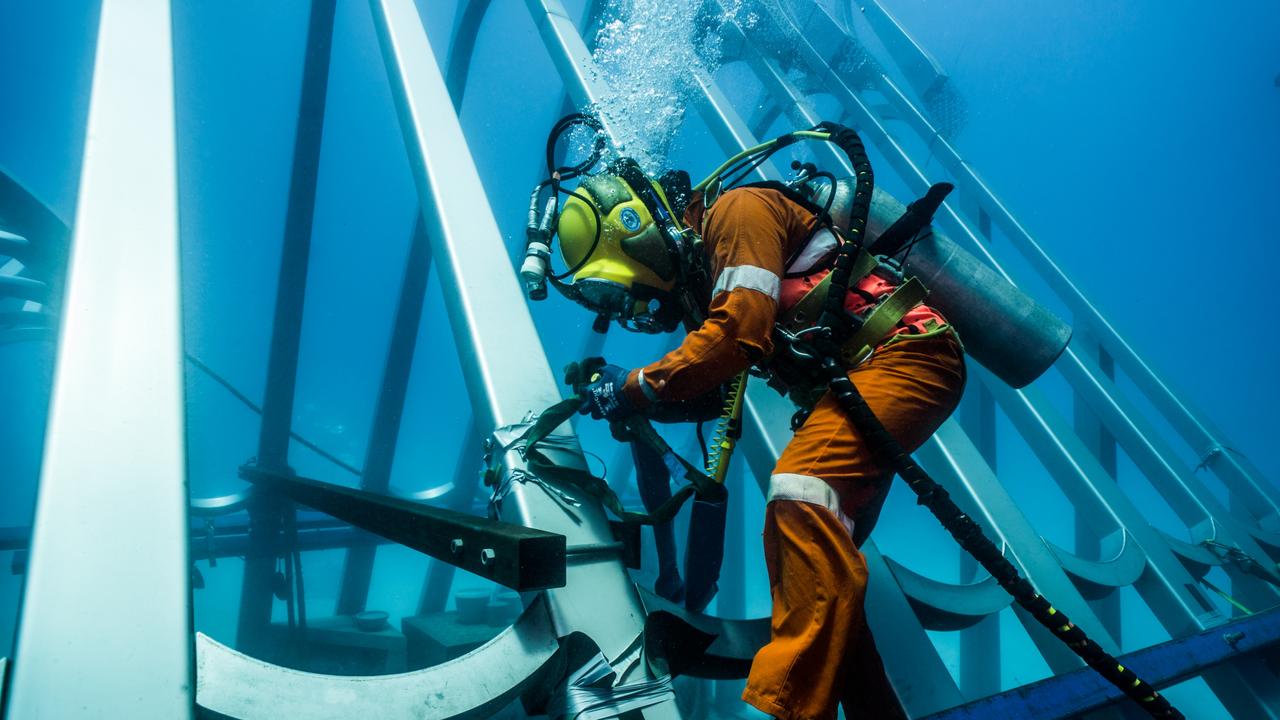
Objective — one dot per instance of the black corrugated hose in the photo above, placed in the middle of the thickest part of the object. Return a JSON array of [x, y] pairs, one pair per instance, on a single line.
[[837, 325]]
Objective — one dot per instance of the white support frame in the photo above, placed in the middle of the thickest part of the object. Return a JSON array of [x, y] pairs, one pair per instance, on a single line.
[[111, 514]]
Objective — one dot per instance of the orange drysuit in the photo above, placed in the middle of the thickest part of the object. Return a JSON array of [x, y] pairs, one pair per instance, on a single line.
[[827, 486]]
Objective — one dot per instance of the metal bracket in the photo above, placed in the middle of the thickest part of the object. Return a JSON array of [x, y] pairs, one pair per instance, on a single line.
[[475, 685], [516, 556]]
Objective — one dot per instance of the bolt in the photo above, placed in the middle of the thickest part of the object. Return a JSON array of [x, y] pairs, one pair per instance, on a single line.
[[1232, 638], [487, 556], [456, 546]]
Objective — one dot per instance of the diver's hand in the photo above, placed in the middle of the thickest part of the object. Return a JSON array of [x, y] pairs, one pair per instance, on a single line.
[[603, 396]]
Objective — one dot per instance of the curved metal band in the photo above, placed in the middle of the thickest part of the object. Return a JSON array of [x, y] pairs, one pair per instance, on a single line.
[[472, 686], [1097, 578], [221, 504], [945, 606]]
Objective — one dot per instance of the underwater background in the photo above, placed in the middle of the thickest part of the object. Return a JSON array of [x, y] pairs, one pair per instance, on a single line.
[[1138, 142]]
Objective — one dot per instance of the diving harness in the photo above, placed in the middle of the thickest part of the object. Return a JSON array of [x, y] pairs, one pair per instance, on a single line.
[[820, 340]]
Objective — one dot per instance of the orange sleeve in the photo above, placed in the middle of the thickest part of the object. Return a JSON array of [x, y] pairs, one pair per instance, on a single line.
[[745, 233]]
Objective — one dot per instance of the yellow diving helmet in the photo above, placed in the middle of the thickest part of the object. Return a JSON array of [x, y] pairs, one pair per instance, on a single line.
[[623, 244]]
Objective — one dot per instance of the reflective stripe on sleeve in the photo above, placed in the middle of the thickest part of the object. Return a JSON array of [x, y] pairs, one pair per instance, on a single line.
[[749, 277], [645, 387]]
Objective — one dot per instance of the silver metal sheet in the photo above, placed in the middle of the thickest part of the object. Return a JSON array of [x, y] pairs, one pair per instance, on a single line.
[[115, 439], [472, 686]]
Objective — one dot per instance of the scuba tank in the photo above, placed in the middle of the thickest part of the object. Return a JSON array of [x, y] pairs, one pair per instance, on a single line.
[[1002, 328]]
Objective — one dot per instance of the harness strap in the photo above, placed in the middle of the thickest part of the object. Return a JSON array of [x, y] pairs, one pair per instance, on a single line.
[[882, 319], [808, 308]]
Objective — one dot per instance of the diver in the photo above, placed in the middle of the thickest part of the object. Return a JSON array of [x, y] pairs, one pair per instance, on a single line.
[[737, 268], [783, 281]]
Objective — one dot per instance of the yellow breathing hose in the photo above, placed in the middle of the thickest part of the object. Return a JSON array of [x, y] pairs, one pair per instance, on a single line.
[[728, 427], [715, 175]]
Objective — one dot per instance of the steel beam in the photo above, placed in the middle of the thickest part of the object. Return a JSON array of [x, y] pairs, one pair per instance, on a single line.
[[380, 451], [504, 365], [518, 557], [286, 331], [115, 437]]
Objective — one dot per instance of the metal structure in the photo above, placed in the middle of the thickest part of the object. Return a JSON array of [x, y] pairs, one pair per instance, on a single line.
[[795, 51]]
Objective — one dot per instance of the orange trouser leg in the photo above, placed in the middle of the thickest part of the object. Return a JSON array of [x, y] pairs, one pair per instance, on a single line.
[[817, 580], [821, 652]]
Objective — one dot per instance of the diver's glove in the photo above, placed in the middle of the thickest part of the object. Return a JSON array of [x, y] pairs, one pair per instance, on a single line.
[[600, 385]]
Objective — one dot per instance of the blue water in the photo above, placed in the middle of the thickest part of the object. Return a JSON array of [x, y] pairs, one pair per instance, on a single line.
[[1139, 142]]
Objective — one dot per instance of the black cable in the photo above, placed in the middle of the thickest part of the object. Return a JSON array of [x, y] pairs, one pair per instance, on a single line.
[[970, 537], [254, 407], [568, 172], [594, 243], [751, 163], [833, 314]]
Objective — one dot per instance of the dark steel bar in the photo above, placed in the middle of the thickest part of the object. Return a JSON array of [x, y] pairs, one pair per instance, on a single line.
[[286, 332], [516, 556], [380, 451], [1072, 693], [466, 486]]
